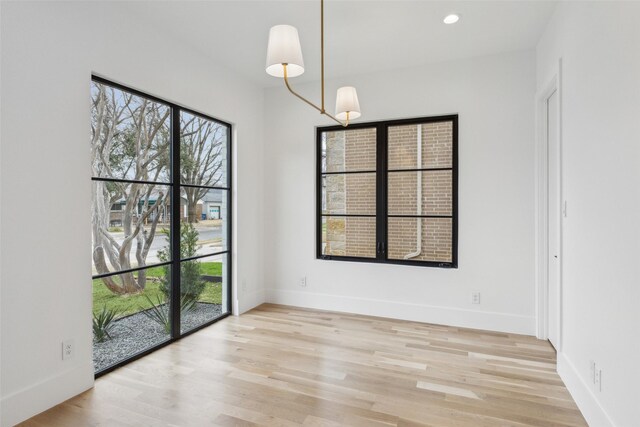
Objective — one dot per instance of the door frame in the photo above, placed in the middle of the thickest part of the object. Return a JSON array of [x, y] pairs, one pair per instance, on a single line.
[[542, 197]]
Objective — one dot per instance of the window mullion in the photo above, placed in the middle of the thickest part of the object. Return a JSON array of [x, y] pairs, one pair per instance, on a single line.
[[229, 194], [174, 306], [381, 192], [319, 193], [454, 192]]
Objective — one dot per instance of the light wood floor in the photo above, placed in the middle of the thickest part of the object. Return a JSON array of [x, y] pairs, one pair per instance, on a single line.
[[285, 366]]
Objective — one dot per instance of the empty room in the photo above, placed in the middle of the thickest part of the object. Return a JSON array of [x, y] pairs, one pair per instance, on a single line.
[[319, 213]]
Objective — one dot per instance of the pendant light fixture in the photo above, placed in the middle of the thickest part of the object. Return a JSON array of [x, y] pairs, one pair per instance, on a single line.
[[284, 60]]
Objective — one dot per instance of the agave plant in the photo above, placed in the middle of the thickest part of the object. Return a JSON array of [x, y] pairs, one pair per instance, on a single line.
[[103, 323], [188, 303], [159, 312]]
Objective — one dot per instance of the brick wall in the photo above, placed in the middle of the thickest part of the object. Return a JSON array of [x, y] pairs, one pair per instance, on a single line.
[[437, 143], [354, 193], [436, 193], [355, 150], [436, 238]]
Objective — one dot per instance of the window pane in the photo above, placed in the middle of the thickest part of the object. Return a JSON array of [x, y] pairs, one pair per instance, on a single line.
[[436, 146], [203, 290], [126, 323], [130, 225], [130, 136], [203, 151], [436, 192], [349, 150], [353, 193], [203, 216], [435, 244], [349, 236]]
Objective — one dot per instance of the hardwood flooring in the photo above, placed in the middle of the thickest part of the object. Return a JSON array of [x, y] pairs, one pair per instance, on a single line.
[[286, 366]]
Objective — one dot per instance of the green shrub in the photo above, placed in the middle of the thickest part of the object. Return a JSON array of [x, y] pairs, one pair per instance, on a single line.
[[103, 324], [191, 283]]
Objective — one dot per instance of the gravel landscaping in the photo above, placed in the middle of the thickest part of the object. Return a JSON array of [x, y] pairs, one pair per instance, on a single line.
[[136, 333]]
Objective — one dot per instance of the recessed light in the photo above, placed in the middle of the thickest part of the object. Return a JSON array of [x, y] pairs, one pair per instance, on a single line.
[[451, 19]]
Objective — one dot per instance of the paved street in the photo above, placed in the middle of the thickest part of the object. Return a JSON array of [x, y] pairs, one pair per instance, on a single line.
[[210, 240], [206, 235]]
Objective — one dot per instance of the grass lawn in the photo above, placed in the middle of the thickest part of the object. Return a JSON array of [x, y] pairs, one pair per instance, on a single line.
[[130, 304]]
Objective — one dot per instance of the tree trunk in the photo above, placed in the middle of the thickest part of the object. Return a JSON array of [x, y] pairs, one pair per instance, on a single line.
[[191, 195], [192, 210], [110, 134]]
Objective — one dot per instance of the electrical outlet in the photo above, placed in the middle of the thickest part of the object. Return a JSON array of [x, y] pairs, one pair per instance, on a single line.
[[244, 285], [475, 297], [598, 379], [68, 349], [592, 371], [303, 281]]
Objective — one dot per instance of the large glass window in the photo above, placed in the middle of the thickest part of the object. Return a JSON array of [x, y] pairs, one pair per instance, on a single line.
[[204, 145], [387, 192], [160, 222]]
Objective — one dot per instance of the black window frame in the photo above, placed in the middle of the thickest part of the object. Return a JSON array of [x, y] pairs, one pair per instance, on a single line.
[[382, 174], [176, 219]]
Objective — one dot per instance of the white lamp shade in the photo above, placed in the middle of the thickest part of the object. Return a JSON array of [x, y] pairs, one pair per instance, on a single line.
[[347, 102], [284, 48]]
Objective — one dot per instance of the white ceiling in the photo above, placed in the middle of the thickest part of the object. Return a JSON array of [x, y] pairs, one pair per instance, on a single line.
[[360, 36]]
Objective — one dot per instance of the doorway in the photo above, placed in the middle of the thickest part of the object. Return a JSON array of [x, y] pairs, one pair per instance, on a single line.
[[554, 217], [551, 210]]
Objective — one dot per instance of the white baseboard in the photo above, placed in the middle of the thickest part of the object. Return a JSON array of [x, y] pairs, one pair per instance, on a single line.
[[24, 404], [583, 394], [492, 321], [249, 300]]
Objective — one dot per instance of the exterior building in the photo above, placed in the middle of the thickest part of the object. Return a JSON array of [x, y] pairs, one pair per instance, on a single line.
[[212, 205], [209, 207]]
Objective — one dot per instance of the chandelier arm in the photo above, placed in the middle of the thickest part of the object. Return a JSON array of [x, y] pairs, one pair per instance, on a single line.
[[344, 125], [286, 82]]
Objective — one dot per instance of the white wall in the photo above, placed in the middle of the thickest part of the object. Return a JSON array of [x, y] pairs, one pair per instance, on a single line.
[[49, 51], [598, 44], [494, 97], [0, 216]]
